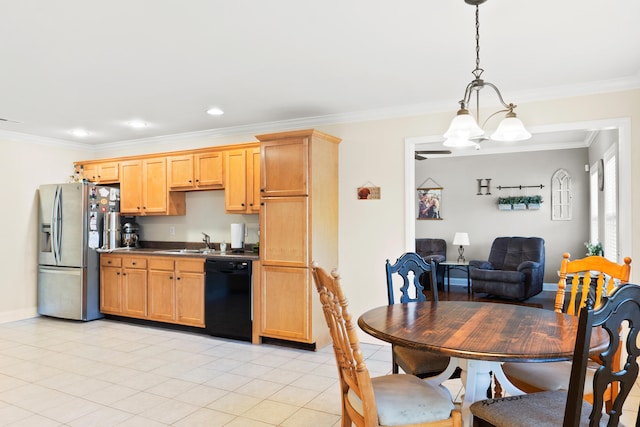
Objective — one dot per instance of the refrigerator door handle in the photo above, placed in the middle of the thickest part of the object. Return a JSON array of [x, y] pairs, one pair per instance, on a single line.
[[56, 223]]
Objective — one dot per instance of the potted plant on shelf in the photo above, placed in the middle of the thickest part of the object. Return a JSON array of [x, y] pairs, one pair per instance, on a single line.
[[519, 203], [504, 203], [533, 202]]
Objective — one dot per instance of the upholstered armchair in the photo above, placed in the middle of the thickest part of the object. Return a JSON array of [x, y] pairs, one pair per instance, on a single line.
[[515, 268], [433, 250]]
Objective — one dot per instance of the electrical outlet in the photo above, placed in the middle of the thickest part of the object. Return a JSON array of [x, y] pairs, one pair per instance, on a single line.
[[172, 231]]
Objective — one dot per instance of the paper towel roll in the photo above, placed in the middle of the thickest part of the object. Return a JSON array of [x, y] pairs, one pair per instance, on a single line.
[[237, 236]]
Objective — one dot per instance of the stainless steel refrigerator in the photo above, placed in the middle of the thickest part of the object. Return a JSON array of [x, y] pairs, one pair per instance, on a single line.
[[71, 229]]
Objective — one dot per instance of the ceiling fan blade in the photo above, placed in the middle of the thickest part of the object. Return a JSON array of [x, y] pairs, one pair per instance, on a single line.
[[419, 157], [433, 152]]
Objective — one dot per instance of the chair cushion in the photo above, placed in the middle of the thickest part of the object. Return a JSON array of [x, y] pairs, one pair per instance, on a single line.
[[419, 362], [545, 409], [405, 399], [547, 376]]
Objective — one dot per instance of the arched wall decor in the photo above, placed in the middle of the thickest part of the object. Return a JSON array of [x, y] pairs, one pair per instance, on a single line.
[[561, 196]]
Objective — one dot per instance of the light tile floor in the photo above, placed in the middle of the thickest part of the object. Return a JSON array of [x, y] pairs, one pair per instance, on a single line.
[[107, 373]]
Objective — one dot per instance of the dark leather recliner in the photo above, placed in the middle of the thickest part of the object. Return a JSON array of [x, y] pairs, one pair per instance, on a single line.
[[515, 268], [433, 250]]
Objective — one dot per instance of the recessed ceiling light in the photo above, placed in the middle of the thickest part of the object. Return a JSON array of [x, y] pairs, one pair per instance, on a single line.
[[80, 133], [137, 124], [215, 111]]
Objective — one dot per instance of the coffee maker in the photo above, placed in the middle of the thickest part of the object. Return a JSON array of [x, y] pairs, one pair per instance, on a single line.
[[130, 237]]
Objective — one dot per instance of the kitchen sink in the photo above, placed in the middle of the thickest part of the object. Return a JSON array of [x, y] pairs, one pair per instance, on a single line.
[[186, 251]]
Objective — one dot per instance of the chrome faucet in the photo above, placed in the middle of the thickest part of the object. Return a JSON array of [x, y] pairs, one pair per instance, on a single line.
[[207, 240]]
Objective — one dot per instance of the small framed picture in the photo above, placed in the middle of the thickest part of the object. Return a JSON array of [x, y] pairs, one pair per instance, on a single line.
[[429, 203], [368, 193]]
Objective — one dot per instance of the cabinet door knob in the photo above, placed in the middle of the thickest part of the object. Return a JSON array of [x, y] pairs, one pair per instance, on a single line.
[[171, 277], [262, 190], [190, 181], [178, 278], [118, 273], [133, 263]]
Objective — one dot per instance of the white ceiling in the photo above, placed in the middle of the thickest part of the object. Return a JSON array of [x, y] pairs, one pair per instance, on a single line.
[[98, 64]]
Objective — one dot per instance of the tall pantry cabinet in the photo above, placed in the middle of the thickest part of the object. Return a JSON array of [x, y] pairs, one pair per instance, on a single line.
[[298, 225]]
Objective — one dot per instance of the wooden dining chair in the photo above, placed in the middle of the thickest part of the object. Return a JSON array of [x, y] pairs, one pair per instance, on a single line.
[[407, 287], [595, 276], [389, 400], [568, 408]]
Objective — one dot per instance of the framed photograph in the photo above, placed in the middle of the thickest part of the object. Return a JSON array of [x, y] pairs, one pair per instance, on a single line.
[[429, 203], [368, 193]]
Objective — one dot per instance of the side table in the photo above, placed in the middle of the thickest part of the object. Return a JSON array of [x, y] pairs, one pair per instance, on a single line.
[[463, 266]]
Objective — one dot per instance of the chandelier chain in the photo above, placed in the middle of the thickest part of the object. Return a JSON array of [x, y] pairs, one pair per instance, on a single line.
[[477, 37], [478, 71]]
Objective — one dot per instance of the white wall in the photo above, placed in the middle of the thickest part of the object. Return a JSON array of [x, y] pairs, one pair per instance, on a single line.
[[463, 210], [24, 165], [205, 214]]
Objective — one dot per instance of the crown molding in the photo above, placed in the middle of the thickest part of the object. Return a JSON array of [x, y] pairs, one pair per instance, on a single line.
[[7, 135]]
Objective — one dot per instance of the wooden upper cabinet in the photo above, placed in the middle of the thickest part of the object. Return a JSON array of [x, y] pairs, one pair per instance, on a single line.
[[242, 177], [209, 170], [143, 189], [201, 171], [180, 172], [102, 173], [253, 176], [154, 186], [235, 195], [131, 187], [285, 167]]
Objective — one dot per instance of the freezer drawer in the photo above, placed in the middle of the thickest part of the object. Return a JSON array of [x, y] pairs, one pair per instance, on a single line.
[[62, 293]]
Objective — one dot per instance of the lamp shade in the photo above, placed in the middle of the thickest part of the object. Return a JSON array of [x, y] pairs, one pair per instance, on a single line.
[[461, 239], [510, 129], [463, 126]]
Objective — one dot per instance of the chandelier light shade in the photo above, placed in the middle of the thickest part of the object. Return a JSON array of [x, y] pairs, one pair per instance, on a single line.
[[464, 126], [511, 129]]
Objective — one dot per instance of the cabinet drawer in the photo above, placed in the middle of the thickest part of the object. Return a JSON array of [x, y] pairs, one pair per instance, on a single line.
[[134, 262], [159, 263], [194, 265], [110, 261]]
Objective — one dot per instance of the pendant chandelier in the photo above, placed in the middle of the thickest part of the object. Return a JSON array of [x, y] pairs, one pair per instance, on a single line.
[[464, 128]]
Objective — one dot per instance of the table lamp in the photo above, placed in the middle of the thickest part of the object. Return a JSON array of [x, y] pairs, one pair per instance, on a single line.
[[461, 239]]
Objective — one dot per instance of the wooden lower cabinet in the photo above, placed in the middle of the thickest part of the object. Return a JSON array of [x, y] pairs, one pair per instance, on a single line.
[[162, 296], [111, 284], [285, 303], [134, 287], [162, 289], [190, 299]]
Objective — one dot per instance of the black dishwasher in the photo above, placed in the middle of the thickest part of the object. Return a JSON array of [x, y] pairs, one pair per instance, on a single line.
[[227, 309]]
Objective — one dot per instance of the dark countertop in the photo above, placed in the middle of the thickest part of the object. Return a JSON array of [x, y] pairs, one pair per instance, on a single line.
[[184, 252]]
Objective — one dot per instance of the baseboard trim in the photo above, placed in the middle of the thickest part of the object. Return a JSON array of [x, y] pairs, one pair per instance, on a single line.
[[15, 315], [461, 281]]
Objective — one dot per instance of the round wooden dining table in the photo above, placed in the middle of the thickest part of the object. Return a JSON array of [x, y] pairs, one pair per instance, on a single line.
[[478, 336]]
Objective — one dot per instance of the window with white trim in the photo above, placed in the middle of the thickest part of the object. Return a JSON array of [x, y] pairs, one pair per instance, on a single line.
[[610, 244]]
